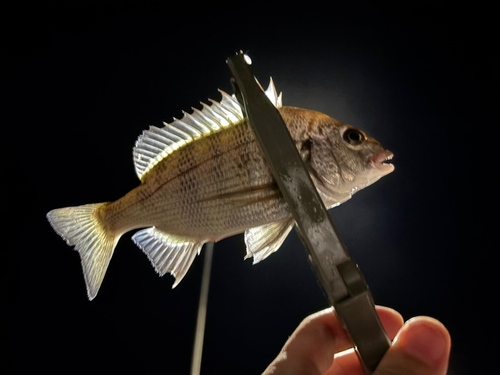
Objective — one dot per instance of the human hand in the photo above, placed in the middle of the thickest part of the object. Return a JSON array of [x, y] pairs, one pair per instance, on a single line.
[[319, 346]]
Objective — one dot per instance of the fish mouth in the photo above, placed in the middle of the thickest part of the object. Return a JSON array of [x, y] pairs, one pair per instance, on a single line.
[[381, 160]]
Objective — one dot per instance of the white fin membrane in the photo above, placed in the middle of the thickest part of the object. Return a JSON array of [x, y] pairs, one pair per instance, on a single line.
[[155, 144], [273, 95], [82, 227], [264, 240], [167, 253]]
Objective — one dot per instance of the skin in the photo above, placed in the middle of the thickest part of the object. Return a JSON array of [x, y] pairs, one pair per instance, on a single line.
[[319, 346]]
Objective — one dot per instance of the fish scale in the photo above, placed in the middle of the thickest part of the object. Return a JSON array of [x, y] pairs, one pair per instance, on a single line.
[[171, 199], [204, 178]]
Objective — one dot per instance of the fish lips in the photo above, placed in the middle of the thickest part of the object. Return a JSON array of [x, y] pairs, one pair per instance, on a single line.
[[380, 160]]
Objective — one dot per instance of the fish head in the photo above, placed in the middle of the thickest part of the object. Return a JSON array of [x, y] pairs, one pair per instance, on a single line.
[[344, 160]]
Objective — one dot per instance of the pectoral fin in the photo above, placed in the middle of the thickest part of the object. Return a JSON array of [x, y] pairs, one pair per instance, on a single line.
[[264, 240], [167, 253]]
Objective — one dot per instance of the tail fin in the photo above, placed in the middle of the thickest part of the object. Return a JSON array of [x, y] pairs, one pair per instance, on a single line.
[[84, 228]]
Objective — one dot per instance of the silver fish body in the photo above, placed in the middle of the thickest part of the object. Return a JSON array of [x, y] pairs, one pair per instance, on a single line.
[[213, 182]]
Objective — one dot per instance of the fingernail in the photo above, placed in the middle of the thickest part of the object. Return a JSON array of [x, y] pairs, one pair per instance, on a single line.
[[425, 341]]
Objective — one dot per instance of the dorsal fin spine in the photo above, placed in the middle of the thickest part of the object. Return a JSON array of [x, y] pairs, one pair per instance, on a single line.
[[152, 153], [224, 112], [188, 118], [174, 128], [152, 144], [217, 118], [154, 139], [192, 117], [208, 112], [141, 163], [203, 117], [175, 138], [159, 131], [190, 129], [230, 103], [156, 136], [183, 131], [149, 154]]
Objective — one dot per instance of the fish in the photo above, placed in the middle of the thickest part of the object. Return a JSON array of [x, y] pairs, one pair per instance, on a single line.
[[204, 178]]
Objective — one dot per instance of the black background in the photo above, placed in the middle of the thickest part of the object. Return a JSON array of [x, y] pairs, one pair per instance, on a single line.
[[80, 82]]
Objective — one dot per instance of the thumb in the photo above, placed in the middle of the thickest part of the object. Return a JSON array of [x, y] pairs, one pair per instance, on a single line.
[[421, 347]]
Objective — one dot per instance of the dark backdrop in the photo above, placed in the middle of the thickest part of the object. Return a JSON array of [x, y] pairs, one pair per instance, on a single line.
[[79, 84]]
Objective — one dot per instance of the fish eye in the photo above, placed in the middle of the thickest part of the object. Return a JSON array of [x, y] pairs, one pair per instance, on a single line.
[[353, 137]]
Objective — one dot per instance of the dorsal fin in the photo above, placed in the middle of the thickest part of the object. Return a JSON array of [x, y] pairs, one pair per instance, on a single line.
[[155, 144]]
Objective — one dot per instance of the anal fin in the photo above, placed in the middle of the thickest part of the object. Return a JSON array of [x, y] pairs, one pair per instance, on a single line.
[[166, 252], [264, 240]]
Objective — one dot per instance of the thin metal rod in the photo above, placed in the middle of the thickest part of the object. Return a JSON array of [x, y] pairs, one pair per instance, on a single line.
[[202, 310]]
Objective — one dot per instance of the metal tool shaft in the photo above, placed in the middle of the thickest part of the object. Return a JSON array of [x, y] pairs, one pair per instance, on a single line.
[[340, 278]]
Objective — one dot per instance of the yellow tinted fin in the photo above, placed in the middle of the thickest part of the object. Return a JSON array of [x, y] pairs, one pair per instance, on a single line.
[[264, 240], [84, 228], [167, 253]]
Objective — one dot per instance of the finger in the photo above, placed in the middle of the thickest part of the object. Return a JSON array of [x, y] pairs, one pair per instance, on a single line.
[[311, 347], [347, 363], [390, 319], [421, 347]]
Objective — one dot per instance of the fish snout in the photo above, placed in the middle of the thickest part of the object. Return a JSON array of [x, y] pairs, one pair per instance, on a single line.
[[380, 161]]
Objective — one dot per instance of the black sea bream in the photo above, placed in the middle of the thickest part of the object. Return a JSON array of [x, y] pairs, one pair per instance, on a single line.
[[204, 178]]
